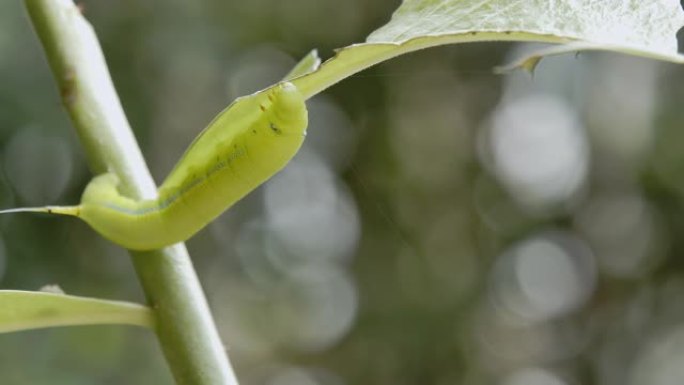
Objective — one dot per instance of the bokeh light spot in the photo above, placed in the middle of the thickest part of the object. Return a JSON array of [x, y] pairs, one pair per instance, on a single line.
[[39, 167], [533, 376], [311, 212], [544, 277], [538, 150]]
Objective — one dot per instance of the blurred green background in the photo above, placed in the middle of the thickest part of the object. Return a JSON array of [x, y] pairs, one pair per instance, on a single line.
[[443, 225]]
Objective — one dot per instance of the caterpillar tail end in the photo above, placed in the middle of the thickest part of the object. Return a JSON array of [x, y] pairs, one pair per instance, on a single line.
[[74, 211]]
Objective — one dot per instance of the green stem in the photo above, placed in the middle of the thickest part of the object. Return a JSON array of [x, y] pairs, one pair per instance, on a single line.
[[185, 328]]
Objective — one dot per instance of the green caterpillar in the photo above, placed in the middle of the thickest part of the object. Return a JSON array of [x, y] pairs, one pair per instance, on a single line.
[[250, 141]]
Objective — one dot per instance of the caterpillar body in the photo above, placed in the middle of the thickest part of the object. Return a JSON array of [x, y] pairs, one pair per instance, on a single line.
[[250, 141]]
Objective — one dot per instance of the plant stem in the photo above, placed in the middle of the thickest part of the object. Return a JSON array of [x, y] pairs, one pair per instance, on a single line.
[[184, 325]]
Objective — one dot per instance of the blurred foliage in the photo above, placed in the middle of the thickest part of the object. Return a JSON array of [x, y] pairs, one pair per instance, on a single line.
[[443, 225]]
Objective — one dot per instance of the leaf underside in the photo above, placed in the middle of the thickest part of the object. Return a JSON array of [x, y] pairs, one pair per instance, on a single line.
[[635, 27]]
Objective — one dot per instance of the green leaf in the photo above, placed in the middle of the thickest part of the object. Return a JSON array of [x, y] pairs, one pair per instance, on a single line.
[[24, 310], [636, 27]]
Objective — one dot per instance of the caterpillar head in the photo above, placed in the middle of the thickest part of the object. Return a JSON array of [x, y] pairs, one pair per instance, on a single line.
[[286, 110]]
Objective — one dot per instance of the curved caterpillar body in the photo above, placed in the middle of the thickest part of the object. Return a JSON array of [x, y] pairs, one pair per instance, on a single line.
[[246, 144]]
